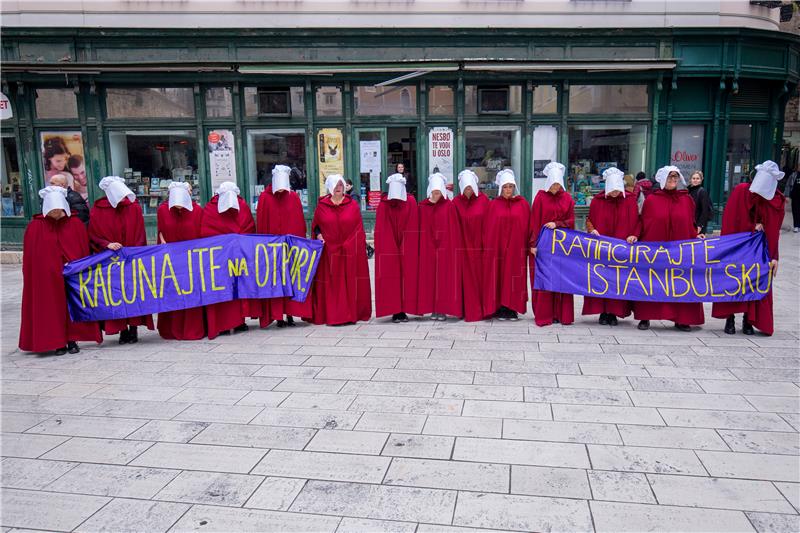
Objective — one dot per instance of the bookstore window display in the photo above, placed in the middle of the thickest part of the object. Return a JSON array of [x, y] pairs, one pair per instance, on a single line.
[[490, 149], [149, 161], [267, 148], [12, 202]]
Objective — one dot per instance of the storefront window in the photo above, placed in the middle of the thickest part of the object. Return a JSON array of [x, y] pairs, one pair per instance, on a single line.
[[12, 204], [329, 101], [545, 99], [608, 99], [274, 102], [594, 148], [62, 153], [56, 103], [219, 103], [490, 149], [150, 160], [151, 102], [545, 150], [267, 148], [391, 100], [687, 148], [738, 156], [492, 100], [441, 100]]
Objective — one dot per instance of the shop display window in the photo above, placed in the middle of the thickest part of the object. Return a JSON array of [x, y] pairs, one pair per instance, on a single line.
[[490, 149], [608, 99], [267, 148], [56, 103], [329, 101], [274, 102], [391, 100], [219, 103], [441, 100], [150, 102], [492, 99], [545, 99], [738, 157], [593, 148], [12, 203], [149, 161]]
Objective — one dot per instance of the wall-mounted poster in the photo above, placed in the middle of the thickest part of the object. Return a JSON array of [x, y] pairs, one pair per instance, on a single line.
[[330, 155], [687, 148], [222, 158], [62, 153], [440, 152]]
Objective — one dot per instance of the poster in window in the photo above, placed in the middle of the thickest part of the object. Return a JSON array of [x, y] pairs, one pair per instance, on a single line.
[[330, 145], [545, 150], [371, 162], [687, 148], [440, 153], [222, 158], [62, 153]]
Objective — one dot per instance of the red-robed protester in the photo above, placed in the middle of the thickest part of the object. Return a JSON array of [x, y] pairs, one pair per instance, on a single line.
[[505, 251], [180, 219], [396, 249], [51, 240], [668, 215], [552, 207], [227, 213], [470, 209], [341, 292], [116, 221], [756, 206], [612, 213], [438, 292]]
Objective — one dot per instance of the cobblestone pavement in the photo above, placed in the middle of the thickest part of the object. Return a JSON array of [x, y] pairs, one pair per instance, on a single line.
[[424, 427]]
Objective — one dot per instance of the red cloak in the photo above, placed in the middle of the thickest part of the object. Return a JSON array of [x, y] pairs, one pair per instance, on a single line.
[[224, 316], [612, 217], [742, 212], [669, 216], [505, 253], [125, 225], [396, 256], [177, 225], [341, 292], [438, 289], [281, 213], [470, 216], [559, 208], [47, 245]]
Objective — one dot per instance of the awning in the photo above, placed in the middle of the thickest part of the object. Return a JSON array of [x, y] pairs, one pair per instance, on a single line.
[[329, 70], [588, 66]]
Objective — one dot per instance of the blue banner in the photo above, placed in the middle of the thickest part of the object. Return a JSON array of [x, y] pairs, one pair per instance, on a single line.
[[141, 280], [732, 268]]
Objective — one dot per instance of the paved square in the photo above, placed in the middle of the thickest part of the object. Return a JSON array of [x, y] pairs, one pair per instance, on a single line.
[[418, 427]]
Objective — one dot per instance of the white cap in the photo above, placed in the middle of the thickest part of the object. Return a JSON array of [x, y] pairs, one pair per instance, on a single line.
[[467, 178], [555, 174], [506, 176], [437, 182], [331, 182], [179, 195], [664, 172], [615, 180], [766, 179], [54, 197], [116, 190], [397, 187], [228, 196], [280, 178]]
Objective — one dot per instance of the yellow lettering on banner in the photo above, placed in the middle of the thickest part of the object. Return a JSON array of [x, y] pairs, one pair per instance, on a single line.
[[631, 275], [151, 279], [99, 282], [680, 256], [83, 285], [299, 263], [614, 255], [285, 261], [237, 267], [707, 279], [213, 268], [167, 262], [261, 249], [577, 243], [191, 278], [706, 247], [275, 246], [642, 249], [735, 278], [122, 282], [114, 303], [664, 283], [673, 276], [769, 281], [311, 262], [604, 280], [617, 268], [556, 234], [691, 245], [200, 269], [746, 278], [660, 250], [599, 250]]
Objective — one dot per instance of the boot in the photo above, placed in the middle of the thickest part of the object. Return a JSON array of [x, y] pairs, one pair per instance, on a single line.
[[643, 325], [239, 329], [72, 347], [730, 325], [281, 323], [61, 351], [133, 334], [612, 319], [124, 337], [403, 317], [747, 327], [683, 327], [290, 321], [603, 319]]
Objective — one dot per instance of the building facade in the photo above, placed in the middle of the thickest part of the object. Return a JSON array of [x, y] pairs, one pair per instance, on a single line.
[[358, 88]]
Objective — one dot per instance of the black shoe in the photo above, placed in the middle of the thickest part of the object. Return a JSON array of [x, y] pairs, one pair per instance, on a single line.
[[226, 332], [281, 323], [124, 337], [643, 325], [612, 320], [61, 351], [730, 325], [513, 316], [239, 329], [133, 335], [747, 327], [403, 317], [396, 318], [603, 319], [290, 321], [683, 327], [72, 347], [556, 321]]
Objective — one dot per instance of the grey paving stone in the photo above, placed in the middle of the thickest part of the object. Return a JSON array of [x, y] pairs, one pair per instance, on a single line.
[[521, 452], [47, 510], [582, 432], [774, 523], [479, 392], [671, 437], [213, 488], [424, 376], [310, 385], [366, 525], [421, 446], [200, 457], [522, 513], [346, 373], [599, 369], [112, 480], [694, 372], [236, 382], [276, 493], [762, 441], [497, 409], [88, 426], [516, 379], [435, 528], [17, 422], [394, 404], [456, 475], [387, 388], [710, 492], [288, 371], [536, 367], [317, 400], [133, 516], [376, 501], [724, 419], [752, 465], [364, 442], [666, 384], [351, 362], [465, 426], [29, 446], [319, 465], [98, 450], [263, 398], [391, 422], [594, 382], [634, 517], [168, 431], [641, 459], [690, 401], [308, 418], [776, 404], [620, 487], [209, 395], [790, 491], [546, 481], [444, 364], [215, 518], [607, 414], [10, 386], [138, 409], [31, 473], [577, 396], [236, 414], [254, 436], [767, 388], [136, 392]]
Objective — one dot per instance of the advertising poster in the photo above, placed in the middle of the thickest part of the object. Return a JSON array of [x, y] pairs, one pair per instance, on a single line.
[[330, 145], [62, 153], [222, 158], [371, 163], [687, 148], [440, 155]]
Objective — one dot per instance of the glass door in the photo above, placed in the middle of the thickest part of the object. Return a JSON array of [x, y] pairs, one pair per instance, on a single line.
[[372, 167], [738, 157]]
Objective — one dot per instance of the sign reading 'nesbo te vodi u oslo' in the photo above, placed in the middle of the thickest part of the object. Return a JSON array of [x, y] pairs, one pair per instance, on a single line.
[[141, 280], [732, 268]]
